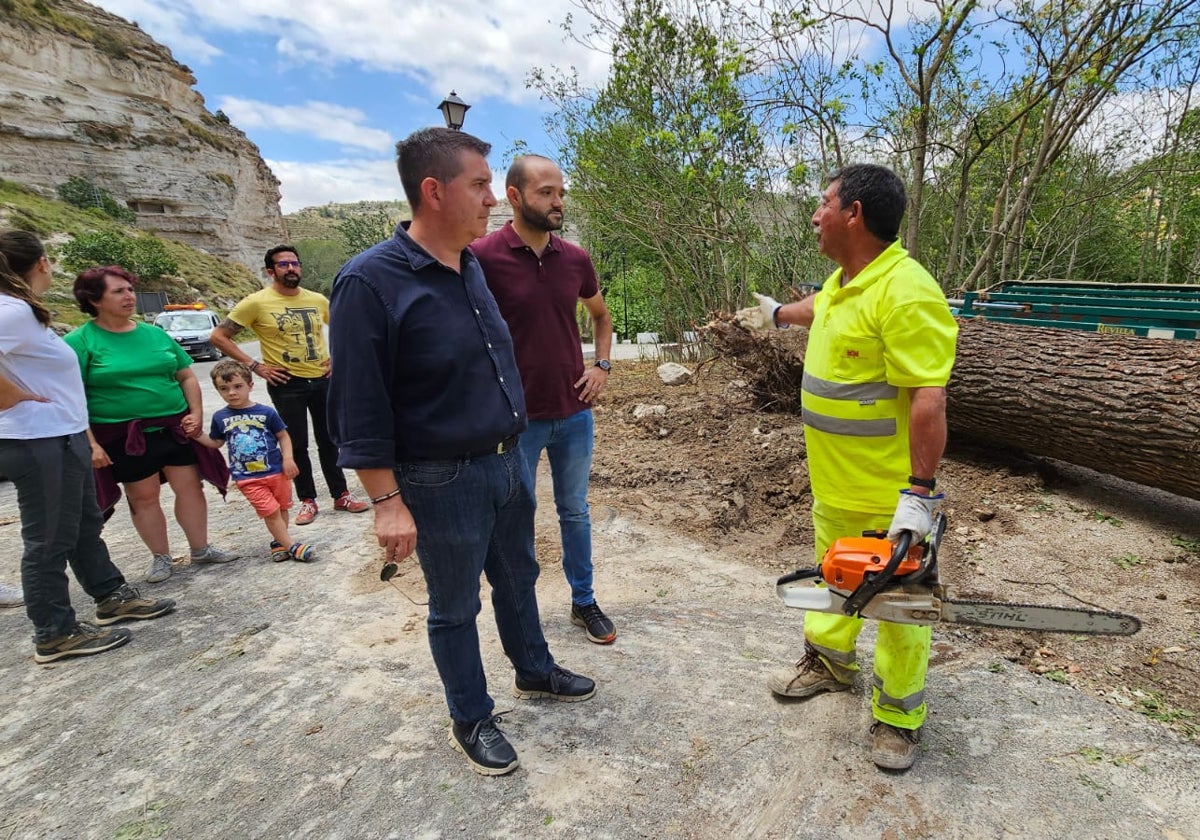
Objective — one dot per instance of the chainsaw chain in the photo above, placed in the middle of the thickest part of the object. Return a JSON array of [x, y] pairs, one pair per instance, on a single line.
[[1121, 618]]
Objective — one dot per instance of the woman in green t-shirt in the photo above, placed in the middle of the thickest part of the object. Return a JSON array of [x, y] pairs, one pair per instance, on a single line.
[[143, 404]]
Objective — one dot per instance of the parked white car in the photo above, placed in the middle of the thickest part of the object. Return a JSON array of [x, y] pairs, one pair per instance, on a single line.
[[191, 328]]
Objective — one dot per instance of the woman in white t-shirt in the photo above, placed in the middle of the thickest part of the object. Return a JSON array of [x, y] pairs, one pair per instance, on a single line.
[[45, 453]]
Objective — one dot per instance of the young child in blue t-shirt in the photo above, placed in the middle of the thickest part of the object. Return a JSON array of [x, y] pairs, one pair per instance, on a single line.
[[260, 455]]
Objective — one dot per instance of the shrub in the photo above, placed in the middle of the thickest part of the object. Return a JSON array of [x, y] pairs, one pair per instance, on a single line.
[[81, 192], [145, 256]]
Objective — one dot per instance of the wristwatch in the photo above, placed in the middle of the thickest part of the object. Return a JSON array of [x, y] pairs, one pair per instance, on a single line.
[[929, 484], [604, 365]]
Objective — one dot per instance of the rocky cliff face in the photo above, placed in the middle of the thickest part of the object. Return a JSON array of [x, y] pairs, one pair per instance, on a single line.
[[83, 92]]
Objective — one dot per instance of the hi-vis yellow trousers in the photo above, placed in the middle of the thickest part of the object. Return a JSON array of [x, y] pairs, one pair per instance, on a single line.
[[901, 650]]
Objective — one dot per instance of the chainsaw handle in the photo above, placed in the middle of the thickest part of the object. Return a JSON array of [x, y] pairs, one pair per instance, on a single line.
[[868, 589]]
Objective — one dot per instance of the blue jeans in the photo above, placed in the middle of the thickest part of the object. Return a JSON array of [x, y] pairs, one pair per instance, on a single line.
[[568, 445], [296, 400], [60, 524], [476, 516]]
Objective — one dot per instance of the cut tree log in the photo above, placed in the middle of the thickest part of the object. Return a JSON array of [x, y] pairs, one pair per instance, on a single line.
[[1122, 405]]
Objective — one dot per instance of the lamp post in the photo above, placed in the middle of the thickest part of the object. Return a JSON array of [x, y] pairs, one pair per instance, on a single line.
[[625, 295], [454, 110]]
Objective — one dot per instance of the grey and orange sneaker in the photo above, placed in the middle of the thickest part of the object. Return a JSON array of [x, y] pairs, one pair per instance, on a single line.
[[127, 604], [595, 623]]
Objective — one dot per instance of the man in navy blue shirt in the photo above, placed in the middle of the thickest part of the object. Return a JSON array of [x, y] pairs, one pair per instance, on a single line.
[[426, 404]]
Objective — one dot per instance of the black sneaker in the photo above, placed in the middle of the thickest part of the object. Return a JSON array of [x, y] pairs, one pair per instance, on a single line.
[[127, 603], [599, 629], [560, 685], [84, 640], [487, 750]]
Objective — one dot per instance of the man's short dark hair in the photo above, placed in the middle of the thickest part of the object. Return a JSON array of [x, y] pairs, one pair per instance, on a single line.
[[881, 193], [279, 249], [516, 172], [433, 153]]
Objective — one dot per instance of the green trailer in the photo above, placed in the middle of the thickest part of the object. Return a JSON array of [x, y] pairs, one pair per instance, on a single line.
[[1154, 311]]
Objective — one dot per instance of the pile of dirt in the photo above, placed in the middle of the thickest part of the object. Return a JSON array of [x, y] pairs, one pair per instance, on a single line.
[[702, 459]]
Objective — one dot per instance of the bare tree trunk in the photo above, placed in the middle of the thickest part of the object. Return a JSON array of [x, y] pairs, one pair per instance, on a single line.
[[1122, 405]]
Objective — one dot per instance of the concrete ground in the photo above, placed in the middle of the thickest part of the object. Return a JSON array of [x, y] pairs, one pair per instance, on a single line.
[[290, 700]]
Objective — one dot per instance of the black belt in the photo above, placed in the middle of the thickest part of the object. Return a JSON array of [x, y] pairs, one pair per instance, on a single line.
[[499, 449]]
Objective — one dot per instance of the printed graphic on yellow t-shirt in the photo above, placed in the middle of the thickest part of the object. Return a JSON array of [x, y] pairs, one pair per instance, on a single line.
[[290, 329]]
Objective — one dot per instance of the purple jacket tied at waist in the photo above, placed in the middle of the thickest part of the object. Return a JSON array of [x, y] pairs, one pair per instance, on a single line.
[[209, 462]]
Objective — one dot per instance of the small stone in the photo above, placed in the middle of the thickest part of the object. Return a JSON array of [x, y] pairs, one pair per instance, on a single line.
[[672, 373]]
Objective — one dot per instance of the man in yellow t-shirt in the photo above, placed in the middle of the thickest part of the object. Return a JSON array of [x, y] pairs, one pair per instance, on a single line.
[[289, 322], [880, 349]]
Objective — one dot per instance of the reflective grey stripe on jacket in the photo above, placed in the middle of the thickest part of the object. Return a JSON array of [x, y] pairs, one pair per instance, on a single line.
[[857, 391], [860, 392]]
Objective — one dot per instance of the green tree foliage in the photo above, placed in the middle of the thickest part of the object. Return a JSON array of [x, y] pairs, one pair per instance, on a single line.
[[1037, 139], [145, 256], [660, 158], [322, 260], [360, 232], [83, 193]]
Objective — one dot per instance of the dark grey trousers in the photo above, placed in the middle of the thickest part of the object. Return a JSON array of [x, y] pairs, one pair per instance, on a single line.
[[60, 525]]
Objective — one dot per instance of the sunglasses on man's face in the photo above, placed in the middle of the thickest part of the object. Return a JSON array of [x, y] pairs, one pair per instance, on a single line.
[[287, 264]]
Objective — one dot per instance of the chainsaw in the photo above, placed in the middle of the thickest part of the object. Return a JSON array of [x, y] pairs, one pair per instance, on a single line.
[[904, 589]]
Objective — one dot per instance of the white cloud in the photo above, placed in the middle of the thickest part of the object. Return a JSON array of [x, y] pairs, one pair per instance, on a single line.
[[486, 47], [322, 182], [166, 23], [324, 120]]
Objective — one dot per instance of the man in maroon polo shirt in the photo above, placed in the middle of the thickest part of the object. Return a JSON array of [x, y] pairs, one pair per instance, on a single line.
[[538, 280]]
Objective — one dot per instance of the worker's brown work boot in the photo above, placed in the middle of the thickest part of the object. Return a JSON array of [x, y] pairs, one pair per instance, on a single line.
[[809, 676], [893, 748]]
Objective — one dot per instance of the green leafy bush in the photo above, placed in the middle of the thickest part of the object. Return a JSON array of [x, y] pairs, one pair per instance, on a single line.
[[145, 256], [81, 192]]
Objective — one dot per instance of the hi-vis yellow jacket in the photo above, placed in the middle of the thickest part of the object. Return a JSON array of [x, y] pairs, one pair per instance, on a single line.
[[887, 330]]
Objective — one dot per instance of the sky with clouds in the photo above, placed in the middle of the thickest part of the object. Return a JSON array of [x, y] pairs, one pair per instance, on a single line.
[[326, 87]]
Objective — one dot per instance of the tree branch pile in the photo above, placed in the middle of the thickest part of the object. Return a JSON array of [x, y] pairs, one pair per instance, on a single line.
[[1121, 405]]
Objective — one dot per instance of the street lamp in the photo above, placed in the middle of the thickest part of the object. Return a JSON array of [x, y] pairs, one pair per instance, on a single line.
[[454, 110]]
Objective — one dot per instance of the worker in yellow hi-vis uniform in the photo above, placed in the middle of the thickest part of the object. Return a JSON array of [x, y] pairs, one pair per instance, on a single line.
[[880, 349]]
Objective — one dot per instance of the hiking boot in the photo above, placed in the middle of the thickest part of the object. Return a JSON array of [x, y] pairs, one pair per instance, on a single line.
[[599, 629], [278, 552], [307, 513], [560, 685], [487, 750], [809, 676], [302, 552], [347, 503], [893, 748], [160, 568], [84, 640], [127, 604], [11, 596], [211, 554]]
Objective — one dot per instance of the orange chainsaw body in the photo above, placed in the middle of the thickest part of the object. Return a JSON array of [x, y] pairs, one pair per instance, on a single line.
[[851, 560]]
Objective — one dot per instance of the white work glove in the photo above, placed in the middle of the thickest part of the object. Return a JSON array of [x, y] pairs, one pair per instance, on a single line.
[[761, 317], [914, 513]]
